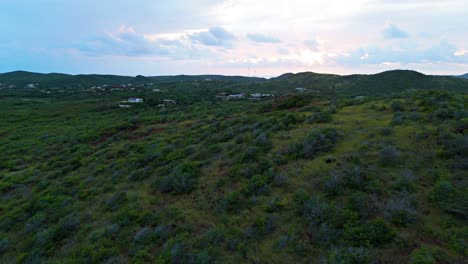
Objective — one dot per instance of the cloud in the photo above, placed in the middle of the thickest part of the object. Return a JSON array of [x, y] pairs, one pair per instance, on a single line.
[[125, 42], [442, 52], [393, 32], [312, 44], [261, 38], [215, 36], [128, 42]]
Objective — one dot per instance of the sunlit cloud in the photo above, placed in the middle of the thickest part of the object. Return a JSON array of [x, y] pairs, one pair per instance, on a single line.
[[268, 36]]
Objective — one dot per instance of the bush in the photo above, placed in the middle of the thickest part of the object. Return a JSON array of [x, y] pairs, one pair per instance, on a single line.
[[361, 203], [333, 184], [67, 225], [143, 236], [232, 202], [116, 201], [397, 106], [162, 232], [389, 155], [183, 179], [450, 199], [386, 131], [258, 184], [261, 227], [374, 233], [355, 177], [251, 153], [401, 210], [4, 245], [348, 255], [405, 181], [318, 141], [316, 211], [422, 255], [280, 179], [320, 117]]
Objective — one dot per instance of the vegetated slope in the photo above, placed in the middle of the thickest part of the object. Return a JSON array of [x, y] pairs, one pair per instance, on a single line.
[[191, 78], [297, 179], [464, 76], [60, 80], [375, 84], [57, 79]]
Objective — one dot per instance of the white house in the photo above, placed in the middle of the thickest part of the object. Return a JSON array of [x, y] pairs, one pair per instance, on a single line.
[[169, 101], [124, 106], [235, 96], [260, 95], [301, 89], [135, 100]]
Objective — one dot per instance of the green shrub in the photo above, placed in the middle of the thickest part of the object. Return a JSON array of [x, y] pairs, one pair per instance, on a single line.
[[183, 179], [258, 184], [4, 245], [320, 117], [348, 255], [422, 255], [116, 201], [372, 233], [450, 199], [389, 155], [401, 210], [318, 141]]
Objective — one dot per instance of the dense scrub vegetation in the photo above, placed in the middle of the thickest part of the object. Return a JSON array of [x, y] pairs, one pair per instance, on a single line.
[[301, 178]]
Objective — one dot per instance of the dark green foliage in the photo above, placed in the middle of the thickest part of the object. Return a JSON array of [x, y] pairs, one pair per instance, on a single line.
[[316, 211], [401, 210], [389, 155], [232, 202], [318, 141], [352, 255], [183, 179], [258, 184], [116, 201], [450, 198], [4, 245], [320, 117], [375, 232], [212, 181]]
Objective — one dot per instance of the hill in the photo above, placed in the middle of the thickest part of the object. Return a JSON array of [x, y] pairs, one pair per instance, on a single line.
[[464, 76], [294, 179], [56, 79], [59, 79], [375, 84], [192, 78]]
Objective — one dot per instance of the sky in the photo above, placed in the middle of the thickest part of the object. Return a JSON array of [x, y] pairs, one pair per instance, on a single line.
[[233, 37]]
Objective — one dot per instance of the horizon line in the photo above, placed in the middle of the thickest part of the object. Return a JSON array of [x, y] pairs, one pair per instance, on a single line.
[[239, 75]]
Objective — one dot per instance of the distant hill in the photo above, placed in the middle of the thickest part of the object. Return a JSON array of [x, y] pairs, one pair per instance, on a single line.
[[464, 76], [375, 84], [388, 82], [58, 79], [193, 78]]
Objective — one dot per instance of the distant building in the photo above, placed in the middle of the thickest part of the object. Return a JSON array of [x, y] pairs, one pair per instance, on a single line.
[[260, 95], [169, 101], [301, 89], [135, 100], [124, 106], [31, 85], [236, 96], [156, 90]]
